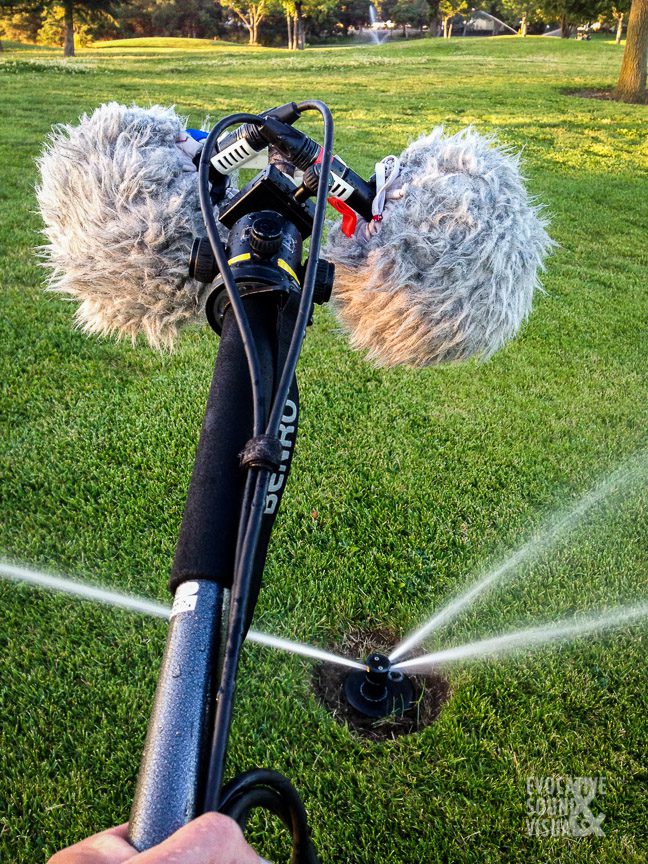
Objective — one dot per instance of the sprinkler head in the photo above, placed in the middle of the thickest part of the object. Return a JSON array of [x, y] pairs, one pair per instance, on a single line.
[[379, 690]]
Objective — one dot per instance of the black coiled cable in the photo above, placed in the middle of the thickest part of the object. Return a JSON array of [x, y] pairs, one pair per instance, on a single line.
[[273, 792]]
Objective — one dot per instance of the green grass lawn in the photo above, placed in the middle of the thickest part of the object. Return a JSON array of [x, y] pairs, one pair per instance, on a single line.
[[419, 479]]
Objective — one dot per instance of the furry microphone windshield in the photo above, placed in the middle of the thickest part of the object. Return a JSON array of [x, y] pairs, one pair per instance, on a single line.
[[451, 272], [119, 198]]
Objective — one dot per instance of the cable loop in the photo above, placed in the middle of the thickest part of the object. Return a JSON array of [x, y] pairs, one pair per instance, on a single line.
[[270, 791]]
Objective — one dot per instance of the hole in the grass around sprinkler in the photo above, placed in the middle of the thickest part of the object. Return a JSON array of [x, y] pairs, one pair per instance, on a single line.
[[431, 690]]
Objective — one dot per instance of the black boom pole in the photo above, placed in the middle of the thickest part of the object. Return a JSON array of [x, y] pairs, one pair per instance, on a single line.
[[261, 301], [170, 788]]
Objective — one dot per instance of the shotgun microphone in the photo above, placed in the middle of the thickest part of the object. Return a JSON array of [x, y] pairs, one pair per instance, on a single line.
[[119, 198], [449, 270]]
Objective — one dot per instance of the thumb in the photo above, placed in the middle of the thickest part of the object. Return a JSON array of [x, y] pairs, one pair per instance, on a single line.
[[108, 847]]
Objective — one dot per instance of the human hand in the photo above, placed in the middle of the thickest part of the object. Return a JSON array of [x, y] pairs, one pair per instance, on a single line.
[[210, 839]]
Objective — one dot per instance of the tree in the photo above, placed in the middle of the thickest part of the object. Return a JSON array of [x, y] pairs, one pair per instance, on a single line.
[[290, 12], [88, 23], [354, 13], [20, 26], [631, 86], [136, 18], [294, 11], [301, 15], [569, 12], [410, 12], [619, 10], [522, 12], [449, 9], [251, 13], [433, 17], [195, 19], [70, 8]]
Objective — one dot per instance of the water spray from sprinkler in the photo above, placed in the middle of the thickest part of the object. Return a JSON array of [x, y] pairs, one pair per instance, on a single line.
[[119, 600], [634, 470], [376, 37], [533, 637]]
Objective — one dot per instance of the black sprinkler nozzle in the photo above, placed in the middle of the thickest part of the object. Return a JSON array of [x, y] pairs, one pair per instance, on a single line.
[[379, 690]]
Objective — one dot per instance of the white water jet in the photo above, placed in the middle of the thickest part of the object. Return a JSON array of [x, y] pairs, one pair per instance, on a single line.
[[480, 13], [499, 21], [303, 650], [543, 539], [376, 38], [118, 600], [534, 637], [84, 590]]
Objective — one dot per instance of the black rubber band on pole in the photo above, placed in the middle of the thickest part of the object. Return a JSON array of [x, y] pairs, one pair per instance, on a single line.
[[262, 452]]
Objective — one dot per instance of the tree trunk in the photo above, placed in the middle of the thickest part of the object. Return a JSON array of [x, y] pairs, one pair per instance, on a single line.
[[300, 27], [523, 25], [631, 86], [289, 27], [253, 32], [433, 18], [68, 44], [564, 27], [619, 32], [450, 30], [445, 28]]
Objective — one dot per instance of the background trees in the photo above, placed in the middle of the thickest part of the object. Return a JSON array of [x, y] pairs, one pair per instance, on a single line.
[[21, 25], [304, 15], [412, 13], [618, 14], [448, 9], [251, 13], [570, 12], [522, 13], [195, 19], [57, 15], [293, 23]]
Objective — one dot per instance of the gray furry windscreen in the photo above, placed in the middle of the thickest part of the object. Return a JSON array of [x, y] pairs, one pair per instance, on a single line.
[[452, 271], [121, 208]]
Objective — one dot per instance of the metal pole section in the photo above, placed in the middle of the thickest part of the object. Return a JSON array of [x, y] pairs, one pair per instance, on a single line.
[[169, 787]]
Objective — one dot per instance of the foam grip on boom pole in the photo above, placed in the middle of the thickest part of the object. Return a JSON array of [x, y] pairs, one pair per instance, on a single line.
[[207, 542], [172, 773]]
